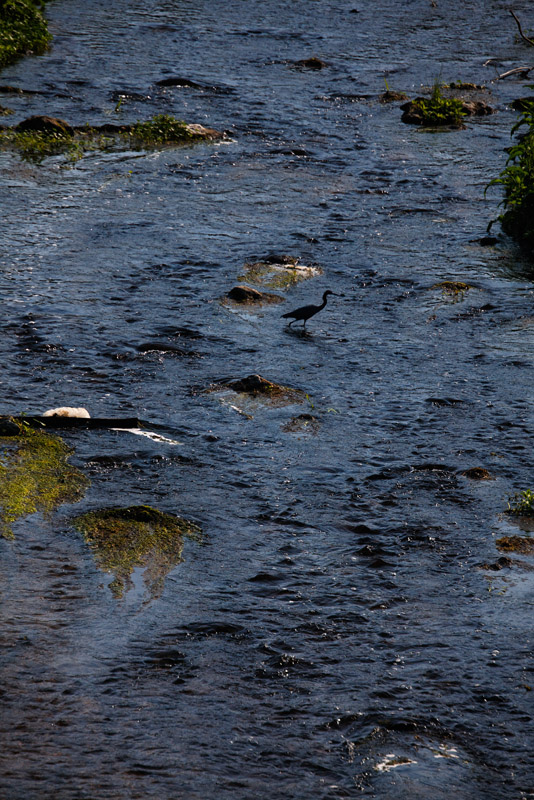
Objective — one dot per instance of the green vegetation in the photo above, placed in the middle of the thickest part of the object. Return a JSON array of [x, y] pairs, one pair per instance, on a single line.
[[35, 476], [60, 138], [34, 146], [522, 503], [23, 30], [439, 110], [517, 179], [162, 129], [123, 539]]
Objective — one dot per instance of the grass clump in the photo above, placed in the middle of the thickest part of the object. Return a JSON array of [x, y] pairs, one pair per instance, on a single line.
[[517, 179], [23, 30], [522, 503], [438, 110], [161, 129], [34, 146], [123, 539], [35, 476]]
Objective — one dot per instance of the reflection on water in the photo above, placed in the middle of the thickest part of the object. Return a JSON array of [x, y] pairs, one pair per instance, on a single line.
[[347, 623]]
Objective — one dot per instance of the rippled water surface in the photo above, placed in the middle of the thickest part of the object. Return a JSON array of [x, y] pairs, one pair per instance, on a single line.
[[339, 631]]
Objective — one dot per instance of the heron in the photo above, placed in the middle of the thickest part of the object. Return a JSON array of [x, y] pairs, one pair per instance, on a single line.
[[305, 312]]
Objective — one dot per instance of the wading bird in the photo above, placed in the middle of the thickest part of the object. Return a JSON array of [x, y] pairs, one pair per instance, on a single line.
[[305, 312]]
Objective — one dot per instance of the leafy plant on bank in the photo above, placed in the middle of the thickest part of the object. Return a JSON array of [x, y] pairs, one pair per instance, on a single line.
[[522, 503], [23, 30], [517, 179]]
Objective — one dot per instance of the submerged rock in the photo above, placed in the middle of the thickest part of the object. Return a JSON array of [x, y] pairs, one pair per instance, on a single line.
[[246, 395], [303, 423], [123, 539], [278, 272], [35, 476], [312, 63]]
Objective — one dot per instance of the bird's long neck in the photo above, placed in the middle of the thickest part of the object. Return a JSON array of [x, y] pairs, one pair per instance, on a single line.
[[325, 298]]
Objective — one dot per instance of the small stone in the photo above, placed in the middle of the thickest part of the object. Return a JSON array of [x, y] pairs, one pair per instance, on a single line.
[[44, 124]]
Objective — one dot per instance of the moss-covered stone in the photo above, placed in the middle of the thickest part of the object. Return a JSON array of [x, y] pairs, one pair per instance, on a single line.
[[278, 272], [123, 539], [35, 476]]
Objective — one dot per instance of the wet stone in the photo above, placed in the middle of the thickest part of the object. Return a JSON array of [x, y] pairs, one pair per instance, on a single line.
[[43, 124], [516, 544], [312, 63], [477, 474], [246, 295]]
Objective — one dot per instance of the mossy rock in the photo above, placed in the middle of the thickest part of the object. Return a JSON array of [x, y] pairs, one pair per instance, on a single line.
[[516, 544], [477, 474], [452, 287], [35, 476], [40, 136], [123, 539], [280, 272]]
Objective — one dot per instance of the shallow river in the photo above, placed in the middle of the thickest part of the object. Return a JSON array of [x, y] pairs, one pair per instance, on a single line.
[[338, 631]]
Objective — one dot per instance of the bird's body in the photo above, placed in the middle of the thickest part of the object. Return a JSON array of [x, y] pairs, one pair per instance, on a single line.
[[305, 312]]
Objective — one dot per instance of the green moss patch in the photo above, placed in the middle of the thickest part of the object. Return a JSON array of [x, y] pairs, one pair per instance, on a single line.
[[35, 476], [123, 539], [23, 30]]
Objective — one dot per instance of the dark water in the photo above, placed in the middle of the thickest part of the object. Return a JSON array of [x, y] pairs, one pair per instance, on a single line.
[[335, 634]]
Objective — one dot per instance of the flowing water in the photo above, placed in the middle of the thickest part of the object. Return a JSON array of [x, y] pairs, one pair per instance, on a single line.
[[339, 630]]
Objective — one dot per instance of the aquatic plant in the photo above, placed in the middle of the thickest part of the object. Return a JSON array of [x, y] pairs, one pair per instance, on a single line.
[[436, 110], [34, 146], [517, 179], [23, 30], [35, 476], [136, 536], [522, 503], [162, 129]]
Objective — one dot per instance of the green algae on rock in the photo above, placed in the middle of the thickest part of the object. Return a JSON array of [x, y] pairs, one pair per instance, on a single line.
[[123, 539], [278, 272], [35, 476]]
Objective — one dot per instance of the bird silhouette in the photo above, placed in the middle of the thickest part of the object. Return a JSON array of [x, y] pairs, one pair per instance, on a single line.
[[305, 312]]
